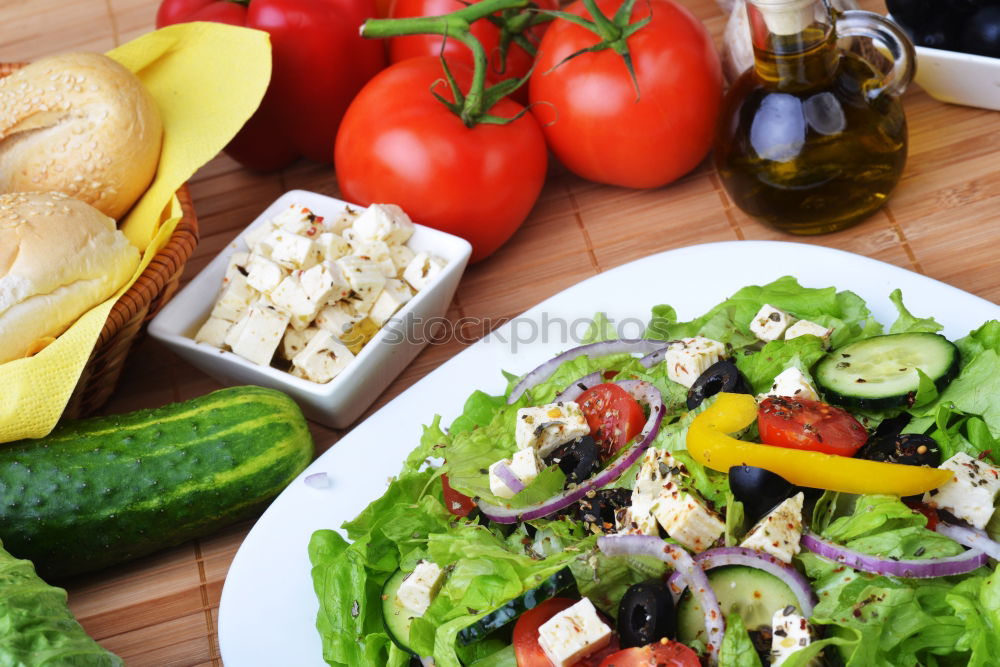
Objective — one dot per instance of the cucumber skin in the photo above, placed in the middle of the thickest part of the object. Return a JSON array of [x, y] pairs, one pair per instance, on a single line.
[[104, 490]]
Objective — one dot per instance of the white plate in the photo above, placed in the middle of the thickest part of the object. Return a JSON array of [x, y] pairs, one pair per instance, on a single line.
[[268, 608]]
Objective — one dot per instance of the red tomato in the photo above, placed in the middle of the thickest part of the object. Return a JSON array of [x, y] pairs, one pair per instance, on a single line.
[[588, 109], [515, 66], [319, 62], [399, 144], [457, 503], [525, 639], [614, 417], [665, 654], [799, 423]]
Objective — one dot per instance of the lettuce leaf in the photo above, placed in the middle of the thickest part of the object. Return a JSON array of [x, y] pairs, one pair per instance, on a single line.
[[737, 650], [36, 625]]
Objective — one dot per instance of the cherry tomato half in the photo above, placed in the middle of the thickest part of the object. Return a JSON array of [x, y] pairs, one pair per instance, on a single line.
[[525, 638], [660, 654], [457, 503], [614, 417], [800, 423]]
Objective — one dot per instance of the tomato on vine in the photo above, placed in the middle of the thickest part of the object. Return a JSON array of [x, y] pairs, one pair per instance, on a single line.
[[636, 103]]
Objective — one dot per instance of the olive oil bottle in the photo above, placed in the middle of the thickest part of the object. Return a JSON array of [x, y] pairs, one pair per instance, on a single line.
[[812, 139]]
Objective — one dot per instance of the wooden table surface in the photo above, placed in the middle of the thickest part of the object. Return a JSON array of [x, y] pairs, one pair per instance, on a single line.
[[943, 221]]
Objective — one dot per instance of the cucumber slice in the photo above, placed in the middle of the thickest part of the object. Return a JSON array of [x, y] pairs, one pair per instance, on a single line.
[[397, 618], [880, 372], [753, 594], [510, 611]]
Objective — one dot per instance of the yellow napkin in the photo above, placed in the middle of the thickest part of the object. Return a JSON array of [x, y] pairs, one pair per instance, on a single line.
[[207, 79]]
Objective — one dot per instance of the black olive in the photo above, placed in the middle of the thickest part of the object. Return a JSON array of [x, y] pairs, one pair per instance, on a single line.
[[646, 614], [578, 459], [981, 34], [914, 449], [600, 509], [909, 13], [720, 376], [759, 490], [891, 426], [761, 638]]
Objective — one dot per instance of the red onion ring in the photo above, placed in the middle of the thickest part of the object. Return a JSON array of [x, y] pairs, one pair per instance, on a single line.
[[573, 391], [602, 349], [507, 476], [910, 569], [318, 480], [639, 390], [654, 357], [759, 560], [690, 573], [970, 537]]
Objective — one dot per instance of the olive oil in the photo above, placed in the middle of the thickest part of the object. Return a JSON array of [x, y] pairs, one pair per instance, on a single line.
[[806, 143]]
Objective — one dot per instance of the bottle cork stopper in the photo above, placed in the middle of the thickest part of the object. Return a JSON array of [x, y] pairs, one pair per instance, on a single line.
[[787, 17]]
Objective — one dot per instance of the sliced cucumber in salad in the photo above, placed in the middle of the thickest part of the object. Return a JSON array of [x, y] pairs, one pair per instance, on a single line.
[[881, 372], [751, 593], [397, 618]]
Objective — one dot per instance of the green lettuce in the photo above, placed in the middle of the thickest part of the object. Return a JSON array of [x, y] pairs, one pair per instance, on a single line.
[[36, 625]]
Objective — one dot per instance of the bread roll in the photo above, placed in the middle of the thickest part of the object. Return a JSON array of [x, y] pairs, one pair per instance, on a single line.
[[59, 257], [80, 124]]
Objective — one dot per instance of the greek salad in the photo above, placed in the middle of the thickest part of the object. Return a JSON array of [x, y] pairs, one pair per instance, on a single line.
[[782, 480]]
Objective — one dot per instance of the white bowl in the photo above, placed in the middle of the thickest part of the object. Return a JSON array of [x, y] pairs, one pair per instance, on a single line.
[[342, 400], [959, 78]]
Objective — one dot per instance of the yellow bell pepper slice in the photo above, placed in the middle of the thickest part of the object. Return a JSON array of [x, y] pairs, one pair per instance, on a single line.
[[709, 442]]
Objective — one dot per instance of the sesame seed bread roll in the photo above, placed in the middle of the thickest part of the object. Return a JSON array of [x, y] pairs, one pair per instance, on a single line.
[[80, 124], [59, 257]]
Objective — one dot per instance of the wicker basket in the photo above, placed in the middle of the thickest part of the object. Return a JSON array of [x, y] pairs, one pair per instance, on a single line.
[[150, 292]]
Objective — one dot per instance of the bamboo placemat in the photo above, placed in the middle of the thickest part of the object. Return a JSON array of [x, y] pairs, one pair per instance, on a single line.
[[942, 221]]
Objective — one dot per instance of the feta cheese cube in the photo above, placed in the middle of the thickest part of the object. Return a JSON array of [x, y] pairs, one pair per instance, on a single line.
[[392, 298], [237, 265], [338, 224], [235, 299], [338, 318], [657, 469], [791, 382], [378, 252], [213, 332], [770, 323], [421, 270], [401, 257], [291, 296], [525, 465], [295, 219], [636, 520], [384, 222], [263, 274], [545, 427], [779, 532], [420, 587], [805, 327], [791, 632], [686, 518], [365, 278], [971, 491], [322, 359], [291, 251], [329, 246], [258, 335], [294, 341], [573, 633], [690, 357]]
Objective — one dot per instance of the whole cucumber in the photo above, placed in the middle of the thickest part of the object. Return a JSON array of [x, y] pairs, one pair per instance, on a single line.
[[104, 490]]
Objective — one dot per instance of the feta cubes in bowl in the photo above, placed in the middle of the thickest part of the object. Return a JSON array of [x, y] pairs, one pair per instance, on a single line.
[[318, 298]]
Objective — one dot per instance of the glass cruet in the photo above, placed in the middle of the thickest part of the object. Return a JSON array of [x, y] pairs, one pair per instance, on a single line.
[[812, 138]]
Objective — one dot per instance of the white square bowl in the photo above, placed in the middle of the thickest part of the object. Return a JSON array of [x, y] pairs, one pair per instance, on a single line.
[[341, 401], [959, 78]]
